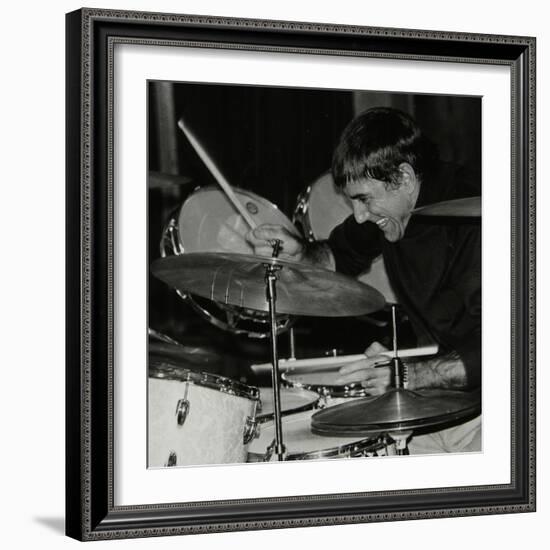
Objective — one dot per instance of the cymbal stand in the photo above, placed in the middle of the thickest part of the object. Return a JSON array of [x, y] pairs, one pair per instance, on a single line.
[[271, 296], [399, 382], [292, 342], [398, 367]]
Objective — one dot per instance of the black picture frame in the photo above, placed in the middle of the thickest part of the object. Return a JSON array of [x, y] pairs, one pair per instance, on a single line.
[[90, 511]]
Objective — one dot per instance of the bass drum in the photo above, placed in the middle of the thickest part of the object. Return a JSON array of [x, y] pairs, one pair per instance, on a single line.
[[319, 210], [208, 222]]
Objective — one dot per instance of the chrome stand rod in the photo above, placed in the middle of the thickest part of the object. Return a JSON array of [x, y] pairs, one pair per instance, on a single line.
[[292, 343], [271, 279]]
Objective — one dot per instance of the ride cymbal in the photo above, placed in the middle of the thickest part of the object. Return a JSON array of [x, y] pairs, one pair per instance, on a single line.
[[239, 280], [469, 207]]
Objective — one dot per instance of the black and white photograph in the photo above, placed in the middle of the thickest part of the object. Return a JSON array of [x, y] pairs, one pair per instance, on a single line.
[[300, 275], [273, 275], [314, 274]]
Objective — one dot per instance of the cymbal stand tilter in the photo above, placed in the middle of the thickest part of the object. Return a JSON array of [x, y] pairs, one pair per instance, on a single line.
[[271, 297]]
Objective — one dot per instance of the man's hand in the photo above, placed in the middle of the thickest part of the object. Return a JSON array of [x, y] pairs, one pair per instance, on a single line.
[[375, 380], [291, 248]]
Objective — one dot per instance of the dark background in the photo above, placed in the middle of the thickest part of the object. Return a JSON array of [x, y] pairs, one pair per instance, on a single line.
[[273, 142]]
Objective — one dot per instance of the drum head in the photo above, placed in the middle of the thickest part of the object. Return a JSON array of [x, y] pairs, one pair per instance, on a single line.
[[293, 400], [327, 207], [208, 222]]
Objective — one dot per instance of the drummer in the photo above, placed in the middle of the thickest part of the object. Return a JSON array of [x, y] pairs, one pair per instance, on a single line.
[[387, 167]]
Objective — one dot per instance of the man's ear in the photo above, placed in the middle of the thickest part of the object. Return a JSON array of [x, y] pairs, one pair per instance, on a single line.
[[409, 181]]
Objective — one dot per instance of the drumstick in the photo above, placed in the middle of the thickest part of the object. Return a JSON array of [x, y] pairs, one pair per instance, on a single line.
[[218, 176], [328, 363]]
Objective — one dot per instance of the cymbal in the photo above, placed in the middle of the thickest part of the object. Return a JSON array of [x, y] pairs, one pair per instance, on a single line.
[[467, 207], [239, 280], [396, 410], [160, 180], [185, 355]]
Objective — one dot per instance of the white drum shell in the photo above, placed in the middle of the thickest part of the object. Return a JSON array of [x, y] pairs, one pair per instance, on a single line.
[[212, 432]]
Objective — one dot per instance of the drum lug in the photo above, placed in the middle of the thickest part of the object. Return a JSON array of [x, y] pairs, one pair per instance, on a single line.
[[172, 459], [182, 410], [269, 452], [251, 430], [322, 403]]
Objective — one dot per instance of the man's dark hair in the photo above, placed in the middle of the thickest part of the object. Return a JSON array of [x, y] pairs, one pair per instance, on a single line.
[[375, 143]]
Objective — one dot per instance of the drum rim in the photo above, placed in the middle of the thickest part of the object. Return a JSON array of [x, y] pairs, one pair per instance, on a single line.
[[361, 445], [262, 418], [301, 214], [327, 390], [165, 370], [374, 443]]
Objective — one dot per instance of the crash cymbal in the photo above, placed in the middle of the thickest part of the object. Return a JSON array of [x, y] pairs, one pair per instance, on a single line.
[[239, 280], [396, 410], [186, 355], [467, 207]]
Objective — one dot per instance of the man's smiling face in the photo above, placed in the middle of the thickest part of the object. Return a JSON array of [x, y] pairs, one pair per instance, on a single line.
[[389, 208]]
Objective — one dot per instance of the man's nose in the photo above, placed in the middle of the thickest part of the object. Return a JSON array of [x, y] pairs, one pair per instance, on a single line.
[[360, 213]]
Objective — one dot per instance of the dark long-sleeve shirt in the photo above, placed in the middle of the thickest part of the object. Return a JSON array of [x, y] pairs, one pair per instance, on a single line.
[[435, 269]]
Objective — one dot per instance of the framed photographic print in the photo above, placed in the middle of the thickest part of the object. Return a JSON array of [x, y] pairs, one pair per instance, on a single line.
[[300, 274]]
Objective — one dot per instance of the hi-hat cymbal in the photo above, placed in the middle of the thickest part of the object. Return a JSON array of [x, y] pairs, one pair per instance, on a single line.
[[467, 207], [394, 411], [239, 280]]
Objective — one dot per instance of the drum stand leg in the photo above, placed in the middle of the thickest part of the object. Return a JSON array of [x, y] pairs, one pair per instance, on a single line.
[[271, 295], [400, 439]]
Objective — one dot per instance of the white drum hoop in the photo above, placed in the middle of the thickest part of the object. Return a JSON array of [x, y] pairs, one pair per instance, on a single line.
[[254, 324], [171, 371]]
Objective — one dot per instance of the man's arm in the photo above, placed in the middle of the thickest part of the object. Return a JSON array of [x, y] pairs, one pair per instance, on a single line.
[[445, 372], [293, 247], [350, 248], [319, 253]]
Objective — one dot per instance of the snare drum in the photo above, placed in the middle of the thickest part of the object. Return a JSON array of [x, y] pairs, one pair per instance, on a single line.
[[322, 381], [319, 210], [208, 222], [301, 444], [198, 418], [293, 400]]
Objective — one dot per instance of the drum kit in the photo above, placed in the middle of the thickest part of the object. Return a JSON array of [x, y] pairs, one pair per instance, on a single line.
[[305, 414]]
